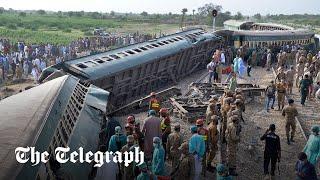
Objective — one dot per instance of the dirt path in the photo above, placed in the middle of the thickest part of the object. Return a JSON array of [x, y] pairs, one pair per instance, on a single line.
[[257, 121]]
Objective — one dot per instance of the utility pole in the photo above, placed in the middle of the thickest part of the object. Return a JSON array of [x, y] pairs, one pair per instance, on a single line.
[[214, 15], [194, 19]]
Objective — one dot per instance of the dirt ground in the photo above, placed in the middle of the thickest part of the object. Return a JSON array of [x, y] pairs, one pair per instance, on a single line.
[[13, 87]]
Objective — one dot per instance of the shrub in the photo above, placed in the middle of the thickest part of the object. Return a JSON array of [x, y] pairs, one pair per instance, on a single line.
[[12, 26], [67, 30]]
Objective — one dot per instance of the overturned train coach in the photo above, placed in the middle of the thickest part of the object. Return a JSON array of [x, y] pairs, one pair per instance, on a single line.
[[63, 112], [255, 39], [132, 71]]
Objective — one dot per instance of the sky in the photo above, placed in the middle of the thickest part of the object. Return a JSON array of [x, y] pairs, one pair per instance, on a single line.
[[246, 7]]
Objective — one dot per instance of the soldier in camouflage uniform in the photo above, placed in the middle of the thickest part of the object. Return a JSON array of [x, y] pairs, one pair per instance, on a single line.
[[212, 140], [300, 72], [225, 109], [175, 139], [233, 138], [185, 169], [211, 109], [281, 74], [290, 112], [281, 92]]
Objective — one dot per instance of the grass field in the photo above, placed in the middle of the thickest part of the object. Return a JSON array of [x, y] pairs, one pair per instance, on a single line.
[[34, 28]]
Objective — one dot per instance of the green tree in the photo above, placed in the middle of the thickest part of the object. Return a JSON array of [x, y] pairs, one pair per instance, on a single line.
[[112, 13], [2, 10], [207, 9], [238, 16], [22, 14], [184, 11], [144, 13], [41, 12], [257, 16]]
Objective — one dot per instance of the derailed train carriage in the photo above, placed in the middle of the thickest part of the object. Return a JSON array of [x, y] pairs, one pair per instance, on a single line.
[[255, 39], [132, 71], [63, 112]]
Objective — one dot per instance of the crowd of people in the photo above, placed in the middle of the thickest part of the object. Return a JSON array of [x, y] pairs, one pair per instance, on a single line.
[[20, 60], [192, 158]]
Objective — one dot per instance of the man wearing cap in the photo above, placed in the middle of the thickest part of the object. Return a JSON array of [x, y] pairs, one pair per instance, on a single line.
[[158, 157], [175, 139], [290, 112], [272, 149], [127, 171], [213, 137], [312, 148], [225, 109], [117, 141], [290, 79], [185, 168], [233, 138], [151, 129], [211, 109], [197, 148], [281, 93], [270, 95], [281, 74]]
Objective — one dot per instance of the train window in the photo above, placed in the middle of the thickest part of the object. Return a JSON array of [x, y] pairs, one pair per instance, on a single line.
[[165, 42], [90, 63], [180, 38], [143, 48], [122, 54], [130, 52], [137, 50], [99, 61], [82, 66], [161, 44], [170, 40], [149, 46], [114, 56], [154, 45], [175, 39], [106, 58]]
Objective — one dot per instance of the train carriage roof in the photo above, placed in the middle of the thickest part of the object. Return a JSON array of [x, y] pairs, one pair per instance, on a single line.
[[96, 66], [274, 33], [21, 117], [24, 116]]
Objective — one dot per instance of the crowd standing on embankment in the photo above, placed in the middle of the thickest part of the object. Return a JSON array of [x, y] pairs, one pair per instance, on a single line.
[[21, 59]]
